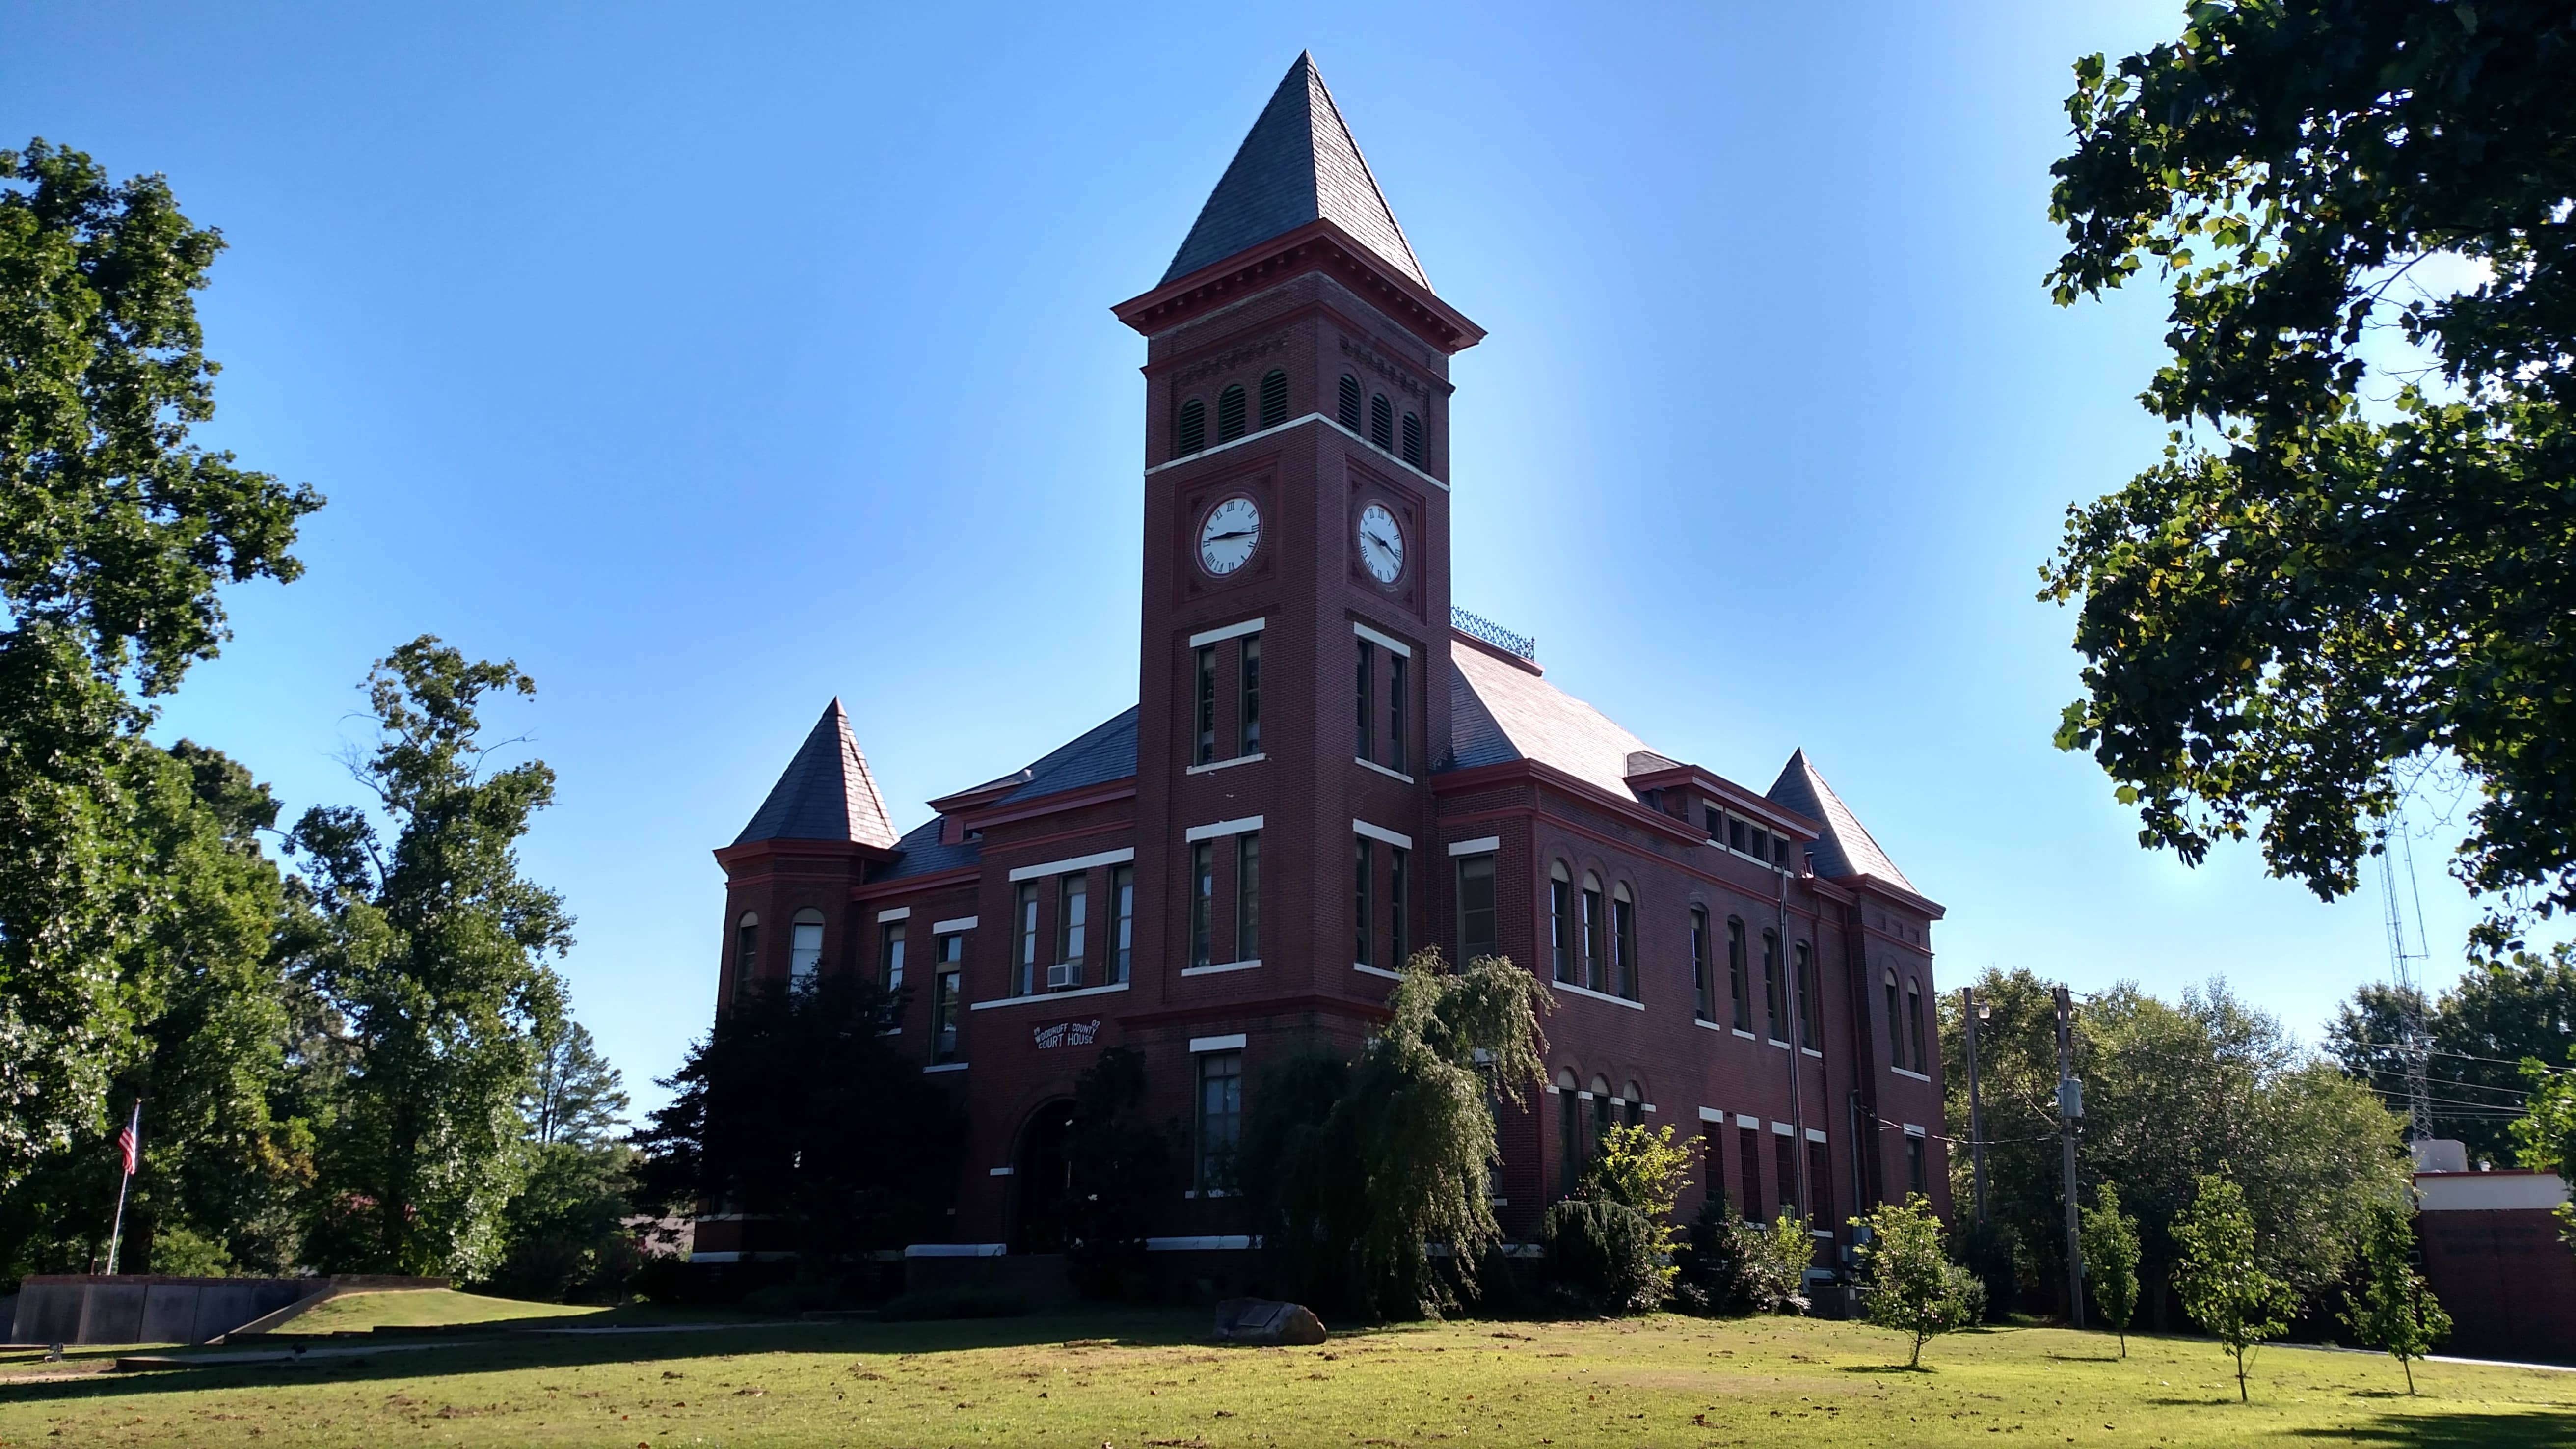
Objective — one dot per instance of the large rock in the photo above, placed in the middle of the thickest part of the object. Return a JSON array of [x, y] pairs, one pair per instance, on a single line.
[[1262, 1321]]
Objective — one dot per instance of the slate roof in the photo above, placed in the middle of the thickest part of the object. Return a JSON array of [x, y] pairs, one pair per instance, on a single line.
[[826, 792], [1499, 712], [1297, 164], [1846, 847], [1105, 752]]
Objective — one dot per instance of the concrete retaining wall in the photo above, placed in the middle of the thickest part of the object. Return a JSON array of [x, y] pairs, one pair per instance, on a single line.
[[150, 1308]]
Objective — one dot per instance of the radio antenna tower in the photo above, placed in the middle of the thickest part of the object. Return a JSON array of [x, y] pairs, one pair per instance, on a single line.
[[2415, 1044]]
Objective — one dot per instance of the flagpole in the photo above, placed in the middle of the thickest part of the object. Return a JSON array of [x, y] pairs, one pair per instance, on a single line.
[[134, 1137]]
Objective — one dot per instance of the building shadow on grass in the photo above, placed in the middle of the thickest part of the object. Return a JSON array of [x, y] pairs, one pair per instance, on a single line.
[[410, 1358], [2458, 1429]]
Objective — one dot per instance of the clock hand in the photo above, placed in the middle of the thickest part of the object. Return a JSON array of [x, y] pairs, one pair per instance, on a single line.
[[1238, 533]]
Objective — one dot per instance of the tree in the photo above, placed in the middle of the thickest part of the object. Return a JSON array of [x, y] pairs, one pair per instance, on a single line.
[[2110, 1239], [574, 1097], [1118, 1173], [2547, 1131], [2395, 1310], [1646, 1171], [2340, 570], [1912, 1286], [1368, 1166], [564, 1232], [2482, 1028], [2223, 1281], [796, 1109], [435, 952], [116, 535]]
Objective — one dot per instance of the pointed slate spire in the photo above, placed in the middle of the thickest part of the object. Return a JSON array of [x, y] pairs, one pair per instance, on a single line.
[[826, 792], [1846, 847], [1298, 164]]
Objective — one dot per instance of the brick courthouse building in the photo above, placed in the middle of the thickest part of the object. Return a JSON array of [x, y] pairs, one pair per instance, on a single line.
[[1330, 766]]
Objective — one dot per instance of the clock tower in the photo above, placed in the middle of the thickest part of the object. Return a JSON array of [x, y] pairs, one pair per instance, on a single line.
[[1294, 692]]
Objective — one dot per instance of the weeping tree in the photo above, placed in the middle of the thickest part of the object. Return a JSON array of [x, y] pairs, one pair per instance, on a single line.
[[1359, 1169]]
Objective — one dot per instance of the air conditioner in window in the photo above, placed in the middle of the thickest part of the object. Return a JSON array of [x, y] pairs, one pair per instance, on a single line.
[[1066, 974]]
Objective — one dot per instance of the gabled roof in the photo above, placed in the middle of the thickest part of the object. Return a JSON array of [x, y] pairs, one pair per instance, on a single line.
[[826, 792], [1499, 712], [1105, 752], [1846, 847], [1298, 164]]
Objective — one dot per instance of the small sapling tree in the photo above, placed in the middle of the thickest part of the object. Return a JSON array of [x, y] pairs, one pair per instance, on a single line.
[[1912, 1288], [2224, 1282], [2111, 1260], [2395, 1310]]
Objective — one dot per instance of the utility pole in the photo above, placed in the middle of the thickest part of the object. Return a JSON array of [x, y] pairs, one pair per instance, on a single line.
[[2070, 1106], [1968, 1010]]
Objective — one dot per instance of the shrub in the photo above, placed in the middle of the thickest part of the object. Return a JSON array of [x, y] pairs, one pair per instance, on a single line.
[[1776, 1263], [963, 1302], [1992, 1251], [1603, 1256]]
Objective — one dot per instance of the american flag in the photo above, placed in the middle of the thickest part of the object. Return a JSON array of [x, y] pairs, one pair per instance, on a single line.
[[130, 1140]]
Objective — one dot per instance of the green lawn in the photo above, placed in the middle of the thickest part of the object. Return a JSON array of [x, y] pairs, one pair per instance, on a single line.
[[1140, 1380], [417, 1307]]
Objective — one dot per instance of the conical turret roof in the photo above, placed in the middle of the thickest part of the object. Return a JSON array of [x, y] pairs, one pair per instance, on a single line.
[[1846, 847], [1298, 164], [826, 792]]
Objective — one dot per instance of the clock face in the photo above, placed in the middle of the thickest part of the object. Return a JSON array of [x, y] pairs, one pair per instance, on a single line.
[[1227, 539], [1381, 544]]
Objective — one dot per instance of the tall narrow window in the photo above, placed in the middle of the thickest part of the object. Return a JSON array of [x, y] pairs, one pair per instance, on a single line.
[[746, 952], [1247, 896], [1396, 943], [1072, 917], [1913, 1163], [1703, 998], [1367, 717], [1774, 991], [1602, 1121], [1569, 1136], [1820, 1187], [1560, 922], [1594, 947], [1784, 1163], [1748, 1153], [1806, 987], [1189, 428], [1364, 867], [1027, 982], [1395, 696], [890, 955], [1477, 925], [1736, 985], [805, 949], [1623, 942], [1350, 402], [1205, 749], [1914, 1022], [1735, 834], [948, 965], [1229, 413], [1895, 1027], [1220, 1118], [1633, 1114], [1413, 440], [1202, 900], [1381, 422], [1122, 936], [1712, 1151], [1247, 689], [1274, 398]]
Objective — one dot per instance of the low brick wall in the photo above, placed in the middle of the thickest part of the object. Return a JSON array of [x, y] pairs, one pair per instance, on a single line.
[[2509, 1283], [151, 1308]]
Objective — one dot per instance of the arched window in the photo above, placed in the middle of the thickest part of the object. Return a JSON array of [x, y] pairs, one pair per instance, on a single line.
[[1914, 1021], [1602, 1121], [1895, 1026], [1596, 949], [805, 948], [1623, 940], [1350, 402], [1774, 991], [1274, 398], [1189, 428], [1381, 422], [1413, 440], [1229, 413], [1560, 921], [1636, 1110], [746, 948], [1569, 1134]]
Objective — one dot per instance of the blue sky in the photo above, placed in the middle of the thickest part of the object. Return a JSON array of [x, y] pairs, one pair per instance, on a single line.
[[714, 361]]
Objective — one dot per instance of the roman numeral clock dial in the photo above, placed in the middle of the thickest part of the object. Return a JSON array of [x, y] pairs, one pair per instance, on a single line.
[[1228, 537], [1381, 544]]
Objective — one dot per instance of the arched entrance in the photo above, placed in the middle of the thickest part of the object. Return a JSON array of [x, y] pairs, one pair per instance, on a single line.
[[1042, 1176]]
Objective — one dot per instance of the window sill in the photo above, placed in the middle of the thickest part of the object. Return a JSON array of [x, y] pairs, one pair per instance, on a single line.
[[1739, 1031], [944, 1067], [891, 1031], [1782, 1045], [1377, 971], [1214, 765], [1220, 968], [1812, 1052], [1704, 1022], [1210, 1192], [1381, 769], [1045, 996], [1917, 1076], [1598, 995]]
